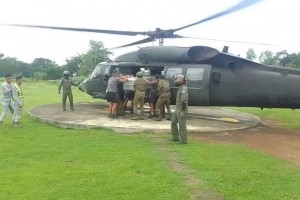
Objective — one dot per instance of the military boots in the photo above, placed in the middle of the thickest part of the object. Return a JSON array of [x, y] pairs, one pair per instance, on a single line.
[[135, 116]]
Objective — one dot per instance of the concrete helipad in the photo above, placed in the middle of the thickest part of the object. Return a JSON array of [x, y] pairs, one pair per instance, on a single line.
[[92, 115]]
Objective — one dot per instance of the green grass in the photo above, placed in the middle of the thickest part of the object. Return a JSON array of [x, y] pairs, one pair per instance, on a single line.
[[54, 163], [41, 161], [287, 117], [238, 172]]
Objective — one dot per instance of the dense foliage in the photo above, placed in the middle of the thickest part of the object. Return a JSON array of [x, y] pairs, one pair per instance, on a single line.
[[47, 69]]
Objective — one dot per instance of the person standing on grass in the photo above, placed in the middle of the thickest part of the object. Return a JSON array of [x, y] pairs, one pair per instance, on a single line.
[[18, 97], [6, 97], [179, 117], [66, 83]]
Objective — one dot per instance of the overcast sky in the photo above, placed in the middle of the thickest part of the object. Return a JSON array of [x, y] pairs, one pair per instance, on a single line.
[[270, 21]]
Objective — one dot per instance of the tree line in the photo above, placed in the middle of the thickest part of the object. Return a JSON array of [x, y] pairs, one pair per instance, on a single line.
[[281, 58], [83, 64], [47, 69]]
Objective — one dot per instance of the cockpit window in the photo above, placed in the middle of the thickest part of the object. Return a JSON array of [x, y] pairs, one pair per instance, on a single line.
[[96, 72], [104, 70], [100, 70]]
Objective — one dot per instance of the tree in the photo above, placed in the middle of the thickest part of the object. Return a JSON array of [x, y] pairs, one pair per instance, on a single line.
[[39, 76], [10, 65], [291, 60], [251, 54], [73, 64], [43, 63], [96, 54], [268, 58], [53, 73], [281, 58]]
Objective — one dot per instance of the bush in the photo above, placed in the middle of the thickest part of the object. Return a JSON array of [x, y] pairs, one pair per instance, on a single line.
[[80, 79]]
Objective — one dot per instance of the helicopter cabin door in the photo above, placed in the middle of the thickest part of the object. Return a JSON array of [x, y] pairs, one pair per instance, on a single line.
[[197, 80]]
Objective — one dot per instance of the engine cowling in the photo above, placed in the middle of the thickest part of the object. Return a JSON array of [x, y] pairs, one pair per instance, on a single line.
[[169, 54]]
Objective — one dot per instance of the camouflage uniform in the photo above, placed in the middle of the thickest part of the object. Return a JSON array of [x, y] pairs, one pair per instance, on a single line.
[[18, 97], [139, 96], [66, 84], [180, 115], [163, 90], [6, 100]]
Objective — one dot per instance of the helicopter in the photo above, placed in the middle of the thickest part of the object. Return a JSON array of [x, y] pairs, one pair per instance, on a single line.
[[213, 77]]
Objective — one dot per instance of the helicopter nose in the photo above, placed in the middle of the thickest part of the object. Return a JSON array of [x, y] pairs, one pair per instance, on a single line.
[[82, 87]]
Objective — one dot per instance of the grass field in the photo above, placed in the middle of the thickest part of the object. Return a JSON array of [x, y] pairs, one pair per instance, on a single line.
[[40, 161], [287, 117]]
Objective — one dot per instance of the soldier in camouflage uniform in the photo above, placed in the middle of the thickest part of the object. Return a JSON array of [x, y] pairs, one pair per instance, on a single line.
[[18, 97], [66, 83], [6, 97], [179, 117], [139, 96], [163, 90]]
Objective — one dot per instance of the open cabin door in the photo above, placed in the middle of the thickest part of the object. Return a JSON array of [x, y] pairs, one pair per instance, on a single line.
[[197, 80]]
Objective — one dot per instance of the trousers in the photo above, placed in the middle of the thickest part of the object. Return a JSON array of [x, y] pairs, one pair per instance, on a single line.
[[6, 106]]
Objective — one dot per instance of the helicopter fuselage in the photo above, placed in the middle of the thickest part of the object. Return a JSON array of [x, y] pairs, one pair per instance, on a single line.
[[213, 78]]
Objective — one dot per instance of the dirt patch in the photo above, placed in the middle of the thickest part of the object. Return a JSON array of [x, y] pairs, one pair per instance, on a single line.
[[268, 137], [188, 174]]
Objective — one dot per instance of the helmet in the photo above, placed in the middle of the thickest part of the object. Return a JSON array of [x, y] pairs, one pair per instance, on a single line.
[[139, 74], [179, 79], [66, 73]]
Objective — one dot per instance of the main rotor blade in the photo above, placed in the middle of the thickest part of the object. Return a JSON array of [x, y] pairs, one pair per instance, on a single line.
[[130, 33], [234, 41], [239, 6], [134, 43]]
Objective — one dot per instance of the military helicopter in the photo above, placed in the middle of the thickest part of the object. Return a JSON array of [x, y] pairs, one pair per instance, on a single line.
[[213, 78]]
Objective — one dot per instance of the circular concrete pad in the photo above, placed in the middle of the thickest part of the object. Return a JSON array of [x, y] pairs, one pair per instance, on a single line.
[[92, 115]]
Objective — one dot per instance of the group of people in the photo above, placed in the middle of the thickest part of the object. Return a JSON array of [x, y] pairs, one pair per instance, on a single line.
[[158, 94], [158, 91], [12, 99]]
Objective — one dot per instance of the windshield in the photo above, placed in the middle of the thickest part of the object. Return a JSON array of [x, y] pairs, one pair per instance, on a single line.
[[95, 73]]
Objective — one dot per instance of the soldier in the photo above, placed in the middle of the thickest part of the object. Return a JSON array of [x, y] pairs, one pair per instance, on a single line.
[[66, 83], [153, 95], [139, 96], [18, 97], [112, 93], [180, 112], [6, 97], [163, 90]]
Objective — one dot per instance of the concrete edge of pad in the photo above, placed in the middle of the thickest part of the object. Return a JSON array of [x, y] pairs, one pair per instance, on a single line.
[[245, 113], [94, 115], [59, 123]]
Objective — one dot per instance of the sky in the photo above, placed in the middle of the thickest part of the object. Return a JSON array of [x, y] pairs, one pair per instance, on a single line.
[[270, 21]]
